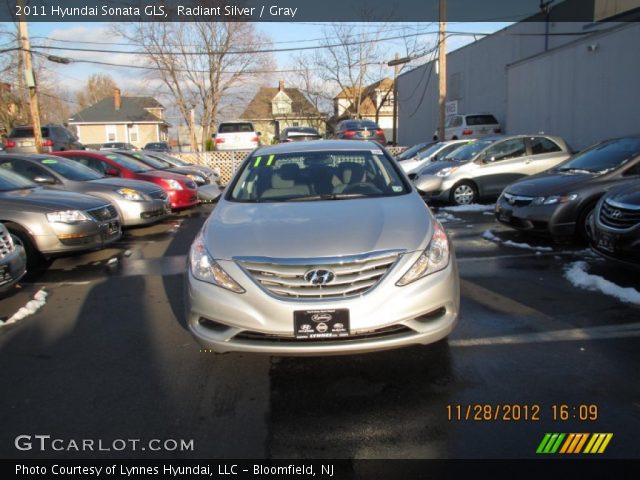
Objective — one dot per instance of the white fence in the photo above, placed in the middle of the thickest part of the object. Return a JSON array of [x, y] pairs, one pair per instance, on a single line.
[[229, 161]]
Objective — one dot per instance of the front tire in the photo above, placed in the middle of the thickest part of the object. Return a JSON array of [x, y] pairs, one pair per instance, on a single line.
[[20, 237], [582, 224], [464, 193]]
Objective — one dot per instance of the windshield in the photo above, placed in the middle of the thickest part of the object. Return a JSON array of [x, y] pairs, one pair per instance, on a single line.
[[71, 170], [13, 181], [468, 151], [153, 162], [129, 163], [603, 157], [306, 176], [411, 152]]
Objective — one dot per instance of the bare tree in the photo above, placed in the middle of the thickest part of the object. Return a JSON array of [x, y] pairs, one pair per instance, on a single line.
[[200, 62], [98, 87]]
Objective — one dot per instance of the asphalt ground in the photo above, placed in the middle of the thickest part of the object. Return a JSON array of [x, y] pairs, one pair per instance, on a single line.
[[108, 357]]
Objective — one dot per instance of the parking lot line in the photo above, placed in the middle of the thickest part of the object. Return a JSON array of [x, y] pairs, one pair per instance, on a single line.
[[498, 302]]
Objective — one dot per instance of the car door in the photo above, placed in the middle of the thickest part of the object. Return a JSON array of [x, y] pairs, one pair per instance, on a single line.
[[501, 164], [545, 153]]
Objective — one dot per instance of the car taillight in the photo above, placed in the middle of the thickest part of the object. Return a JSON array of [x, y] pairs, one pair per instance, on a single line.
[[467, 132], [254, 139], [349, 133], [219, 140], [497, 130], [10, 144], [47, 143], [380, 132]]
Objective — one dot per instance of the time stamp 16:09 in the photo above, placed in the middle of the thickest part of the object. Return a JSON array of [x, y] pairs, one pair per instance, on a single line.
[[517, 412]]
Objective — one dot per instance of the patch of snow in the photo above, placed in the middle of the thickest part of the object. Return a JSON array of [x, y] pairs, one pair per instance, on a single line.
[[489, 235], [112, 261], [488, 213], [470, 226], [32, 306], [474, 207], [446, 217], [127, 253], [577, 274]]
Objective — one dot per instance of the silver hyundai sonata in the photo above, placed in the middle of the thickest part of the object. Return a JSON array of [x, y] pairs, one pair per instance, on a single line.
[[317, 248]]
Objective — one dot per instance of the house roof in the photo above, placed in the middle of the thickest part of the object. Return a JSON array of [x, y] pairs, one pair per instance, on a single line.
[[132, 110], [385, 84], [260, 106]]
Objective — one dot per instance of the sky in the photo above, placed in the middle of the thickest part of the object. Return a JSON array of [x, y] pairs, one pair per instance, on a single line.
[[283, 35]]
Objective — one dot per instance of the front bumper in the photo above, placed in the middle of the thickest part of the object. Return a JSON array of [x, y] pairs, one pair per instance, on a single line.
[[183, 198], [384, 318], [12, 268], [435, 187], [65, 238], [550, 220], [143, 213], [209, 193], [616, 244]]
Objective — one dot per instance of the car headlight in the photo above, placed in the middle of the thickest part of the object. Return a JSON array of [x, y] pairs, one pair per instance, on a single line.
[[433, 259], [68, 216], [554, 199], [173, 184], [130, 194], [205, 269], [445, 172], [196, 178]]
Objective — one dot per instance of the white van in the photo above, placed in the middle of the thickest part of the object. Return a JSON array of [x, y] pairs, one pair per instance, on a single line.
[[470, 125]]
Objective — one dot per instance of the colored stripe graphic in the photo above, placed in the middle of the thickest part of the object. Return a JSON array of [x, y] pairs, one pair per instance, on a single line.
[[573, 444]]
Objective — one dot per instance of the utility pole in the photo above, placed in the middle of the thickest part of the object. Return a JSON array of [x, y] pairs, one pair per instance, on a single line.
[[31, 82], [192, 127], [442, 69], [396, 68]]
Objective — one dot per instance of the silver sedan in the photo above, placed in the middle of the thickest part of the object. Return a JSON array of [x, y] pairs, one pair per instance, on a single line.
[[317, 248]]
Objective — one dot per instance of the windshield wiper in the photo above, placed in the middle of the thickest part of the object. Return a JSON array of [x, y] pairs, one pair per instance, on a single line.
[[575, 170], [326, 196]]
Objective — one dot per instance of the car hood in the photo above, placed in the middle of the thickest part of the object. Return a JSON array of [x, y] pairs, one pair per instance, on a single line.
[[162, 174], [184, 170], [546, 184], [434, 167], [318, 229], [628, 195], [113, 183], [45, 200]]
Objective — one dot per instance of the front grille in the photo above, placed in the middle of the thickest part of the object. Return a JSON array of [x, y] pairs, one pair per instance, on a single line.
[[619, 217], [159, 195], [101, 214], [351, 276], [6, 245], [379, 333], [517, 200]]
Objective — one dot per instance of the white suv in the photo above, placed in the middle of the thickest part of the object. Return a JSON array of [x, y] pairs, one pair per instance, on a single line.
[[471, 125], [236, 135]]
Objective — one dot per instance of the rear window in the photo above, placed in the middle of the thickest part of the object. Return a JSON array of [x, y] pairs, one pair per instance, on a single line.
[[481, 120], [359, 124], [27, 132], [235, 127]]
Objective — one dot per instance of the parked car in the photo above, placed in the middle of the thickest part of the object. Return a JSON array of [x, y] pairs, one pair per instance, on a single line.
[[157, 147], [237, 135], [483, 168], [181, 190], [208, 190], [54, 138], [317, 248], [137, 203], [614, 227], [471, 125], [118, 146], [558, 202], [13, 260], [360, 130], [437, 151], [48, 222], [213, 174], [413, 151], [299, 134]]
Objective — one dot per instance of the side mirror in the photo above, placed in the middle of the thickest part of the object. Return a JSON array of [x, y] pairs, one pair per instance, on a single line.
[[112, 172], [44, 180]]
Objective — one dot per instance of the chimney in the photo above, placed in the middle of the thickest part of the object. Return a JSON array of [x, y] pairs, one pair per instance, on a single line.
[[117, 101], [281, 85]]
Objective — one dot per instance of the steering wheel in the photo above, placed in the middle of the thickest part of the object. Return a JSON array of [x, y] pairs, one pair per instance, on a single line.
[[362, 188]]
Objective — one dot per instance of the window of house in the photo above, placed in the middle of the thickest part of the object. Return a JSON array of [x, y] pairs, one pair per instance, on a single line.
[[110, 131], [133, 134], [295, 124]]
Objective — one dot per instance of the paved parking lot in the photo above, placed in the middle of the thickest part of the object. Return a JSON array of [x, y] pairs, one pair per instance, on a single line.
[[108, 357]]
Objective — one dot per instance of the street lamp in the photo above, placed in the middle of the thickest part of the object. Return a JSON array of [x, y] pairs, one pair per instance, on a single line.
[[396, 62]]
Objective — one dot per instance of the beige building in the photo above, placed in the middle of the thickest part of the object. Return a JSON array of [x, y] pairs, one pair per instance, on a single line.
[[274, 109], [135, 120]]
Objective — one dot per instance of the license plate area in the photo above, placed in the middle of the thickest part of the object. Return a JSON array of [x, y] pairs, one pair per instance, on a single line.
[[317, 324], [606, 242], [5, 275], [113, 227], [505, 215]]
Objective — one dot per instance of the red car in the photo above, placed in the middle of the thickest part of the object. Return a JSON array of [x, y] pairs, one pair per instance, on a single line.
[[182, 190]]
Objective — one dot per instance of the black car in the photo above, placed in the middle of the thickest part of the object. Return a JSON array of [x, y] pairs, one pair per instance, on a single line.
[[158, 147], [614, 227], [299, 134], [360, 130], [558, 202]]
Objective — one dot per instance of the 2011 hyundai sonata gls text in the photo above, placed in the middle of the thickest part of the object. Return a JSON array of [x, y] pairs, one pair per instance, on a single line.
[[317, 248]]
